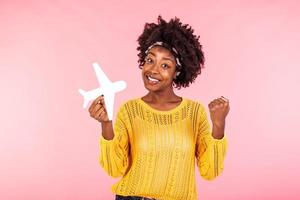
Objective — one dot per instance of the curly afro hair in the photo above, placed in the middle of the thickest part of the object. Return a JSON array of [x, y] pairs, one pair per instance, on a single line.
[[180, 36]]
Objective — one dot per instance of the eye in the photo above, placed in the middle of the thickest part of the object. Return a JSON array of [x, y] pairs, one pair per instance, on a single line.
[[165, 66], [148, 60]]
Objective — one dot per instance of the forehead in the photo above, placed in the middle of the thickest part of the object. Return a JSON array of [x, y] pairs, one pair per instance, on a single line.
[[161, 50]]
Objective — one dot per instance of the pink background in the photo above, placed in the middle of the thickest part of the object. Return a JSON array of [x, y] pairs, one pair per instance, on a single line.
[[49, 144]]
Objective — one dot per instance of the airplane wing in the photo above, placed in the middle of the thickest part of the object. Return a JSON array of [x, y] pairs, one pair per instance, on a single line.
[[101, 76], [109, 98]]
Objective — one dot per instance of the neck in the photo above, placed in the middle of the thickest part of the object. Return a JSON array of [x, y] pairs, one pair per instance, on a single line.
[[161, 96]]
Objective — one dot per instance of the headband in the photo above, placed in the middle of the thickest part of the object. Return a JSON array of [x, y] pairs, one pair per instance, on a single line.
[[172, 49]]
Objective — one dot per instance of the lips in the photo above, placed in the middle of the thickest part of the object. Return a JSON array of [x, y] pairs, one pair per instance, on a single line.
[[152, 79]]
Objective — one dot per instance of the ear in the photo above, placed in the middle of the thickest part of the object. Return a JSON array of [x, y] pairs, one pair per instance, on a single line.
[[176, 74], [141, 66]]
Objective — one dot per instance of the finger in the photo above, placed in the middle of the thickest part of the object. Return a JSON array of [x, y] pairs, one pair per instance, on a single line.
[[215, 100], [211, 105], [99, 103], [215, 104], [103, 116], [97, 108], [225, 99], [97, 114], [94, 103], [102, 101], [220, 102], [103, 104]]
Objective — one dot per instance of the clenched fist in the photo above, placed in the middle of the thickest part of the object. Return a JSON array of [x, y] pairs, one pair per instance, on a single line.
[[219, 109], [98, 110]]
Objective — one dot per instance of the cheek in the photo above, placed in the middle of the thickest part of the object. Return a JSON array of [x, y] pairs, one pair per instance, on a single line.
[[145, 68], [167, 74]]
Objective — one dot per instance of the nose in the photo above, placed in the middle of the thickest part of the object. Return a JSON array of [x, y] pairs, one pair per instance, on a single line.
[[153, 71], [154, 68]]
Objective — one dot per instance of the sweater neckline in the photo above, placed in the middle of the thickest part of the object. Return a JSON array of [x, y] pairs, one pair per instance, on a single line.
[[162, 111]]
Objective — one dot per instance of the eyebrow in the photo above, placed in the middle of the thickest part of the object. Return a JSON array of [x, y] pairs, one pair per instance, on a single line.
[[164, 58]]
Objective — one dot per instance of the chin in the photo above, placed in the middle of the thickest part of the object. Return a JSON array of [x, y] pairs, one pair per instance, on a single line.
[[151, 89]]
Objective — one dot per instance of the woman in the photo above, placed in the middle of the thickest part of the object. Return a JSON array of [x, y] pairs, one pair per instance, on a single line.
[[157, 138]]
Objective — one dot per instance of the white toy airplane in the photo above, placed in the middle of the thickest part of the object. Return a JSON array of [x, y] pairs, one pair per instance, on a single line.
[[108, 89]]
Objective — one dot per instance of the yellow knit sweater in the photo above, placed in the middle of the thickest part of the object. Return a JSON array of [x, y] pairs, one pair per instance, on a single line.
[[155, 151]]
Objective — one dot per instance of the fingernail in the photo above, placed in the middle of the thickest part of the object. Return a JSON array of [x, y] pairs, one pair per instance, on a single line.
[[224, 98]]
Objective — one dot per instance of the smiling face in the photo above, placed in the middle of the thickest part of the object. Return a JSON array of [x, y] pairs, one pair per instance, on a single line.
[[159, 69]]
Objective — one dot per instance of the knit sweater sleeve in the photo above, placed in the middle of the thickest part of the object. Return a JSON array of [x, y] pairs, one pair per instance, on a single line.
[[114, 154], [210, 152]]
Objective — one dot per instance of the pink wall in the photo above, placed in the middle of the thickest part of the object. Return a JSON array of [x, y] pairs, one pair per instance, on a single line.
[[49, 145]]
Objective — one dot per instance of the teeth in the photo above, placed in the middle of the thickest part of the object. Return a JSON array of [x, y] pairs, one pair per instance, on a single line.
[[152, 79]]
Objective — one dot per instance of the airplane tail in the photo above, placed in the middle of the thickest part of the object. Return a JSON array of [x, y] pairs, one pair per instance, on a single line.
[[85, 101]]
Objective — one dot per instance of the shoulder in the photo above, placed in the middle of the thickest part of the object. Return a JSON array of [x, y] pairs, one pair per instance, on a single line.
[[128, 104], [195, 104], [130, 101], [198, 110]]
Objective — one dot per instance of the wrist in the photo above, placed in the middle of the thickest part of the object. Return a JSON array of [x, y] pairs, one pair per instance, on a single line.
[[218, 130], [219, 124], [219, 137], [106, 122]]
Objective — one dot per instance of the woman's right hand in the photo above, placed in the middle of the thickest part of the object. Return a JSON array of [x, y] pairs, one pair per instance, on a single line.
[[98, 110]]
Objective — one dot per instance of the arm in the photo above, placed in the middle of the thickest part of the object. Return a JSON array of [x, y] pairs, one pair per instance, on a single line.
[[114, 146], [210, 151]]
